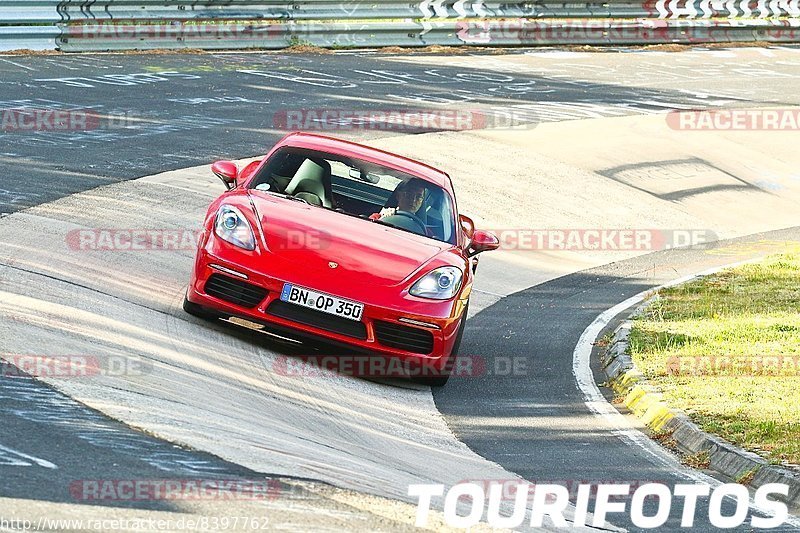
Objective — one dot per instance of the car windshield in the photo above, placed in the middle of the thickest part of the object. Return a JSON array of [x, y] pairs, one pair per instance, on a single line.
[[358, 188]]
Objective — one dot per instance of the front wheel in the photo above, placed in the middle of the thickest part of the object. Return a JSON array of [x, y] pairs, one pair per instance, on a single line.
[[441, 379]]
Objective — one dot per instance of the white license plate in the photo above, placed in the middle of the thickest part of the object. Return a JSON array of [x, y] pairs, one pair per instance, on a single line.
[[321, 302]]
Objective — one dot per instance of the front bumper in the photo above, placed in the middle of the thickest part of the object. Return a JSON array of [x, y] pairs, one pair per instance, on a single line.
[[383, 325]]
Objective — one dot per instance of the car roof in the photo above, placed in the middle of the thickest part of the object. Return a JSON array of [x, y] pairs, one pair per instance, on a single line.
[[332, 145]]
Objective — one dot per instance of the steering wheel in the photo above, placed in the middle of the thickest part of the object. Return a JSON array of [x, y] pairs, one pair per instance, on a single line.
[[415, 218]]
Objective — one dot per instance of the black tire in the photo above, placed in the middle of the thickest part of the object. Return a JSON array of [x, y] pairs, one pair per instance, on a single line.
[[441, 380], [198, 310]]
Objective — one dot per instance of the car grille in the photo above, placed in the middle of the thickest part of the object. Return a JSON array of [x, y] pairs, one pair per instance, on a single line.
[[235, 291], [318, 319], [403, 337]]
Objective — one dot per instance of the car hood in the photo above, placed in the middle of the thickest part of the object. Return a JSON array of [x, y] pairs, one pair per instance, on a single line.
[[330, 245]]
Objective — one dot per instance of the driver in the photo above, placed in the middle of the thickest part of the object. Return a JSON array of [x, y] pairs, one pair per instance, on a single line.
[[410, 196]]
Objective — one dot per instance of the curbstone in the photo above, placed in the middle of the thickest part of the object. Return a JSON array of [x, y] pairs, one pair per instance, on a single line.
[[646, 403]]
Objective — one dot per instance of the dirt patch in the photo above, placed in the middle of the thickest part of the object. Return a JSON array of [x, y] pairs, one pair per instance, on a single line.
[[26, 52], [394, 50], [445, 50], [578, 48], [155, 52], [684, 47], [699, 460], [305, 49], [432, 49], [164, 51]]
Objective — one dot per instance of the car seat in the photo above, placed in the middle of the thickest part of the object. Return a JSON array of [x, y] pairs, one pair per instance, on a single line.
[[312, 183]]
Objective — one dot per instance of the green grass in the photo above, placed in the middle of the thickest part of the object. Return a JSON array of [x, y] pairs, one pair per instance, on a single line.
[[746, 320]]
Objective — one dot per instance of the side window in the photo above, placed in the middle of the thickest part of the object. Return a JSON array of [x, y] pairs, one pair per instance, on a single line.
[[279, 171], [447, 215], [438, 214]]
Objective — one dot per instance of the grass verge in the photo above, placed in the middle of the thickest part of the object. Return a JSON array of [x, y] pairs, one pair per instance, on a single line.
[[725, 349]]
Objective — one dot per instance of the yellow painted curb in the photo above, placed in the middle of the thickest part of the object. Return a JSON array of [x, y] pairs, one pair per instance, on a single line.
[[646, 405]]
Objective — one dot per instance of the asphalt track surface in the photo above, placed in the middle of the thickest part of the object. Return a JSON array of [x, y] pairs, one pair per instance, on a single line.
[[188, 110], [69, 433]]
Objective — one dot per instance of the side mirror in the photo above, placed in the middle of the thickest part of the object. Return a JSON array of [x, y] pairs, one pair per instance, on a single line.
[[483, 241], [227, 171]]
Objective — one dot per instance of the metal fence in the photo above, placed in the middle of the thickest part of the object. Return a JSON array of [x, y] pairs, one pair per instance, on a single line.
[[95, 25]]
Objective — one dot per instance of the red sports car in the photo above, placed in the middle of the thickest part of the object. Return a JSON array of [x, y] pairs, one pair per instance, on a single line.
[[335, 241]]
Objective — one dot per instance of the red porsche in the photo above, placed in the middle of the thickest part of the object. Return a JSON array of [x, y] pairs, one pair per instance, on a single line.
[[331, 240]]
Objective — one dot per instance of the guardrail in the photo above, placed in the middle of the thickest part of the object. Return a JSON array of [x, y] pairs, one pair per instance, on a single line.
[[28, 37], [336, 9], [97, 25], [29, 24], [28, 11]]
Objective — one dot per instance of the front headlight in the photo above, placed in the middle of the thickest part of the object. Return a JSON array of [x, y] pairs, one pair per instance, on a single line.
[[231, 226], [439, 284]]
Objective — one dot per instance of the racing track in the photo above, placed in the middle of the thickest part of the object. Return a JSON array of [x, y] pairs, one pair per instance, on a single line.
[[176, 111], [216, 387]]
